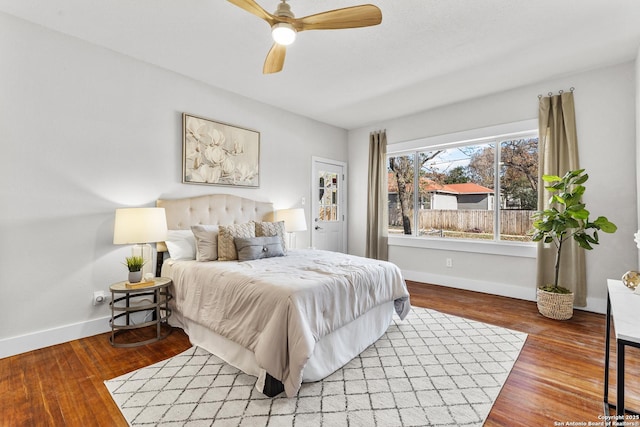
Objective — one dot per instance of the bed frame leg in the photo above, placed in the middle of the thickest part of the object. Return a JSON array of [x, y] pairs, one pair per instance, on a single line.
[[272, 386]]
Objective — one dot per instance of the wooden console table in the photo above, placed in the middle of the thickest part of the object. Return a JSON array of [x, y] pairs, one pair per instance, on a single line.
[[623, 307]]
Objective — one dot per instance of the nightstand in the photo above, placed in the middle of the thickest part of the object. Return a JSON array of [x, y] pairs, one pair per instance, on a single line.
[[151, 311]]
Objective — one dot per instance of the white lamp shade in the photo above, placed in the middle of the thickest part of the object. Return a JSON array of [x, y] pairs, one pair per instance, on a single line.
[[294, 219], [139, 225]]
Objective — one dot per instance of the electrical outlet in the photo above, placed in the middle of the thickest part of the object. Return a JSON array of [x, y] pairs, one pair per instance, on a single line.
[[449, 262], [99, 297]]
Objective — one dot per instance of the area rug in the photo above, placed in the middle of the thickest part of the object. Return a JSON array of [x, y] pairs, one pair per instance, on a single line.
[[431, 369]]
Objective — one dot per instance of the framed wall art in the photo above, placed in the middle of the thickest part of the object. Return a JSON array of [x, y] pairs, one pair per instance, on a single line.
[[215, 153]]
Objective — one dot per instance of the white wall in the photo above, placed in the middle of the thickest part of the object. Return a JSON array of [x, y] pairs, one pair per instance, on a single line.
[[606, 114], [83, 131]]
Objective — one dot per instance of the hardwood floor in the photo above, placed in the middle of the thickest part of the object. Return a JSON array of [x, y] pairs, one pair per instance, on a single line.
[[557, 378], [63, 385]]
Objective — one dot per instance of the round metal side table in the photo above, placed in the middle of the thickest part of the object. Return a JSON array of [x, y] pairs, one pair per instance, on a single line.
[[128, 299]]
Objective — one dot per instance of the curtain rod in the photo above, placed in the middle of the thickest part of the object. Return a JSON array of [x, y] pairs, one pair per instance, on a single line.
[[560, 92]]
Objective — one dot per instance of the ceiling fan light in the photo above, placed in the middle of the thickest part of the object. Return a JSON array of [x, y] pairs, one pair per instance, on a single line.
[[283, 33]]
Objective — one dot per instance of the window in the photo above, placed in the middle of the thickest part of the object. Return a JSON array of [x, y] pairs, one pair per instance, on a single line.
[[460, 187], [328, 196]]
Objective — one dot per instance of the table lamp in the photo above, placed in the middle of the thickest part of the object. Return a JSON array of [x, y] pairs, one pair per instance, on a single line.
[[294, 220], [140, 226]]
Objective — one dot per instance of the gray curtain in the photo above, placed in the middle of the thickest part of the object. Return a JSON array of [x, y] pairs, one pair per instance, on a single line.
[[377, 205], [558, 148]]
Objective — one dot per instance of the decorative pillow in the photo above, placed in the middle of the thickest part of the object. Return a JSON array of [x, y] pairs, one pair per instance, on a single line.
[[181, 244], [272, 229], [206, 242], [258, 247], [226, 234]]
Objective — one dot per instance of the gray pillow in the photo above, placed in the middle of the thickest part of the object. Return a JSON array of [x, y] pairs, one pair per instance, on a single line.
[[258, 247], [272, 229], [206, 242]]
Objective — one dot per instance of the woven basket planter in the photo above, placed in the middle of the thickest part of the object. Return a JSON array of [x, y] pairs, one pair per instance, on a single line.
[[555, 306]]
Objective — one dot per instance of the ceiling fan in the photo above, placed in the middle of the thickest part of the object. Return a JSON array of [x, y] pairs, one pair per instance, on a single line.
[[284, 25]]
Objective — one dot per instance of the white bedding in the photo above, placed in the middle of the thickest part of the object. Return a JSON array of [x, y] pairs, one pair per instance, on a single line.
[[279, 308]]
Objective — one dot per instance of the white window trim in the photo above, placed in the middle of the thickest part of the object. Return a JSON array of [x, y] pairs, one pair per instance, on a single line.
[[493, 247]]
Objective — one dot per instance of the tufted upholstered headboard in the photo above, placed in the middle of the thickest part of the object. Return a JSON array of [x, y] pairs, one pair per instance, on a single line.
[[213, 209]]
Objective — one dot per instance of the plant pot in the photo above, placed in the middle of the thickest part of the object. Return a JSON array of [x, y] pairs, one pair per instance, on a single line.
[[135, 276], [554, 305]]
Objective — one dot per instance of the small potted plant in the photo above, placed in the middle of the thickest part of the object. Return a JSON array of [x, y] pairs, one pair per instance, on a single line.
[[566, 218], [134, 264]]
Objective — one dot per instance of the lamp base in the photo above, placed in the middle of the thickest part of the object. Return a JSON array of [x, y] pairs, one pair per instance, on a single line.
[[145, 251], [291, 240]]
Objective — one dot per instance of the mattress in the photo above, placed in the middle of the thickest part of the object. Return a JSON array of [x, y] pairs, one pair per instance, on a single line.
[[317, 306]]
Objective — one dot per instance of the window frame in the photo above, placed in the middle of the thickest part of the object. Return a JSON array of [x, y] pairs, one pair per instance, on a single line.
[[497, 135]]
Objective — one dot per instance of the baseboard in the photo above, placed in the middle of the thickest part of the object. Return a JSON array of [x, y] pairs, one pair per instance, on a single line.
[[36, 340], [493, 288], [596, 305]]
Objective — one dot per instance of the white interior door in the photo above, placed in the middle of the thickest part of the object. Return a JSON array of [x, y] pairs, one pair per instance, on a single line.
[[328, 193]]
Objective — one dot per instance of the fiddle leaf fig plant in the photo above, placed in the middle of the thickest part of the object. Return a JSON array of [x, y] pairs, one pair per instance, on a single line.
[[567, 218]]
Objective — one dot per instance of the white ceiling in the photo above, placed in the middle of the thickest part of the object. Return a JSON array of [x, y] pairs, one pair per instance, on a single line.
[[425, 53]]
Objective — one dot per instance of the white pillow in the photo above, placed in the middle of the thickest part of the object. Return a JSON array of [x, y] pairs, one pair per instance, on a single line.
[[181, 244]]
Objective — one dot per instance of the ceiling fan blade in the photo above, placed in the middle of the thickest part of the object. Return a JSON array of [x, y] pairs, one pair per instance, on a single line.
[[275, 59], [348, 17], [254, 8]]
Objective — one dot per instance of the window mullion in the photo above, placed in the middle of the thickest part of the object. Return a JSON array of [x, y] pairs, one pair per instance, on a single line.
[[497, 202], [416, 193]]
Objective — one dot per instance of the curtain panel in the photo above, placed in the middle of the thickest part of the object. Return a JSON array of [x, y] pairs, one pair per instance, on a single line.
[[377, 205], [558, 151]]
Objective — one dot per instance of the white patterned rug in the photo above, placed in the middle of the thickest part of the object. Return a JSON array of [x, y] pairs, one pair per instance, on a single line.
[[430, 369]]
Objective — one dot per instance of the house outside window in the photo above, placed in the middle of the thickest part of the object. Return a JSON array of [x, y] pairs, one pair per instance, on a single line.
[[485, 189]]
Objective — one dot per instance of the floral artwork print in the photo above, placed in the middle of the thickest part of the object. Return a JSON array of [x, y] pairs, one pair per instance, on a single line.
[[219, 154]]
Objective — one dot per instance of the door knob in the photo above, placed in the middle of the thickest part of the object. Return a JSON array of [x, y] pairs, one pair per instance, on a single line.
[[318, 227]]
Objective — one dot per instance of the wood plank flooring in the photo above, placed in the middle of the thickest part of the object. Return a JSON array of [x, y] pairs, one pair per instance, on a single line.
[[557, 378]]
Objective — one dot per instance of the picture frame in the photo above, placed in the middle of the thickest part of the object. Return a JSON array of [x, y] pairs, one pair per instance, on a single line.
[[216, 153]]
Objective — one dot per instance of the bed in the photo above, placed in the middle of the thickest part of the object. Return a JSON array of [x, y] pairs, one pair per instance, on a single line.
[[295, 316]]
